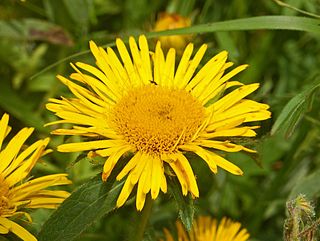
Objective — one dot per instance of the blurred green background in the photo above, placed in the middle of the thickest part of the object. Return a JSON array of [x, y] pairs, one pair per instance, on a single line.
[[36, 34]]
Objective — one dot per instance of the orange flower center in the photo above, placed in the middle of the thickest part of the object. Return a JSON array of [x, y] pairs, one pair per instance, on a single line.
[[157, 119], [4, 196]]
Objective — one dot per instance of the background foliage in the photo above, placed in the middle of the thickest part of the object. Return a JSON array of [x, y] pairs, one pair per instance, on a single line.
[[38, 33]]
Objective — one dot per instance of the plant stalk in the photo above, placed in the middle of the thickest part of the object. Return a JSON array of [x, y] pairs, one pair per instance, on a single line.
[[143, 219]]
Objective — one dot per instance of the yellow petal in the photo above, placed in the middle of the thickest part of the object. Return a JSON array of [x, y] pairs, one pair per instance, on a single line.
[[41, 144], [13, 147], [3, 230], [45, 202], [157, 172], [106, 152], [72, 132], [85, 96], [210, 92], [221, 145], [148, 177], [104, 77], [163, 186], [141, 198], [125, 192], [138, 61], [104, 92], [24, 169], [183, 65], [39, 183], [168, 71], [89, 145], [82, 119], [225, 124], [185, 165], [3, 127], [208, 71], [143, 186], [118, 68], [136, 172], [112, 161], [181, 232], [192, 66], [129, 166], [126, 59], [51, 193], [145, 56], [17, 229], [159, 63], [239, 131], [226, 165], [167, 235], [181, 177], [234, 97], [241, 108], [205, 155]]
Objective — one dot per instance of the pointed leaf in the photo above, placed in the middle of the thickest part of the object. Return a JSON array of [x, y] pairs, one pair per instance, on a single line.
[[185, 204], [89, 203], [294, 111], [252, 23]]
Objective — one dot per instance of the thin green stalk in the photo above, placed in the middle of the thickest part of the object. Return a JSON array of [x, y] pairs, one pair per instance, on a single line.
[[143, 219], [282, 4]]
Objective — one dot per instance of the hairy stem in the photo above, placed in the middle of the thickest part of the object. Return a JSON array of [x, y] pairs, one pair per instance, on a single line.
[[143, 219]]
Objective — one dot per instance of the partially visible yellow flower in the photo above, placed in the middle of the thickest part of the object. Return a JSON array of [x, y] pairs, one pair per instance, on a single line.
[[207, 229], [18, 192], [168, 21], [141, 106]]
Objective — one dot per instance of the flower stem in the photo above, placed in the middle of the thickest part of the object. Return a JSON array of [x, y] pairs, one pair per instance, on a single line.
[[143, 219]]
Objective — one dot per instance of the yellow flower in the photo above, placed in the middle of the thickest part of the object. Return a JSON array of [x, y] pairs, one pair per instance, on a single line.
[[207, 229], [143, 107], [17, 192], [168, 21]]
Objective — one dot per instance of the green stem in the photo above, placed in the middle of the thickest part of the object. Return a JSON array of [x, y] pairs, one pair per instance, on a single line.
[[143, 219], [296, 225]]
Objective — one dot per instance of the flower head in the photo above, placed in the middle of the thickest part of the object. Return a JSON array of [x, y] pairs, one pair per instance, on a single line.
[[141, 105], [208, 229], [17, 192], [167, 21]]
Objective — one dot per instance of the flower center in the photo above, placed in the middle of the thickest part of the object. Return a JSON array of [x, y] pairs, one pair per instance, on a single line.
[[4, 194], [157, 119]]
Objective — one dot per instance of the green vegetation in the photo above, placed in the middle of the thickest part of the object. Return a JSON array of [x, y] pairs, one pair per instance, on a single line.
[[280, 42]]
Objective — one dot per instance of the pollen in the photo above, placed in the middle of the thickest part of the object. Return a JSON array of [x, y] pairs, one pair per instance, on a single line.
[[4, 193], [156, 119]]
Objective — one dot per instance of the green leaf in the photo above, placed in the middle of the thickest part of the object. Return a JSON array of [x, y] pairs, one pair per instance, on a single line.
[[78, 11], [185, 204], [290, 115], [105, 7], [308, 186], [252, 23], [294, 111], [10, 30], [34, 29], [87, 204], [71, 14], [42, 83], [3, 238], [19, 107]]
